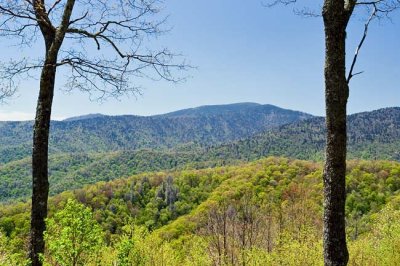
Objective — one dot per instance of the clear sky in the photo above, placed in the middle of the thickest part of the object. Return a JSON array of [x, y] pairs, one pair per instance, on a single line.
[[244, 52]]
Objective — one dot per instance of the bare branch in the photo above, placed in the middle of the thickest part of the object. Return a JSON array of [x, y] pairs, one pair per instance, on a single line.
[[17, 21], [377, 9], [121, 28], [78, 19], [365, 33], [307, 13], [15, 11], [280, 2], [55, 4], [383, 7], [369, 3], [12, 73]]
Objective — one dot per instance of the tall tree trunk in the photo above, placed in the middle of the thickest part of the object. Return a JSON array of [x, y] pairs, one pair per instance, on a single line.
[[40, 181], [336, 95]]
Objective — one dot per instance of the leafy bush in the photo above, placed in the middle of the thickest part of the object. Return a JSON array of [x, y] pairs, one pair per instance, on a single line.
[[73, 237]]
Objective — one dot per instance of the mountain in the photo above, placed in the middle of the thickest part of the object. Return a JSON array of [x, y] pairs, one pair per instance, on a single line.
[[226, 109], [371, 135], [83, 117], [196, 127]]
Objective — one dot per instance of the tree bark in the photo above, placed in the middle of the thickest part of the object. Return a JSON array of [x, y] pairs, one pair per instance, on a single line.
[[40, 184], [336, 94], [53, 38]]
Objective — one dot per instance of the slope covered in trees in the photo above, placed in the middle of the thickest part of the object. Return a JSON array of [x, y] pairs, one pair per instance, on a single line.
[[372, 135], [70, 171], [268, 212], [193, 127]]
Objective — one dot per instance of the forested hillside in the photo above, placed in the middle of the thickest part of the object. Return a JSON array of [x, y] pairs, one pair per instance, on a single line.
[[193, 127], [242, 184], [69, 171], [372, 135], [267, 212]]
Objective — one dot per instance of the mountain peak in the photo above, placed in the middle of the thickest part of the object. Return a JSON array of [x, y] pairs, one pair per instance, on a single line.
[[83, 117], [220, 109]]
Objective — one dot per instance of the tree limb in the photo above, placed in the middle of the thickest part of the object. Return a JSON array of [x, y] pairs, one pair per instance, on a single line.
[[119, 29], [353, 63]]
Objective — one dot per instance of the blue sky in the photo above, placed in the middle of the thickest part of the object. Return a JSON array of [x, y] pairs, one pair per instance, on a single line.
[[244, 52]]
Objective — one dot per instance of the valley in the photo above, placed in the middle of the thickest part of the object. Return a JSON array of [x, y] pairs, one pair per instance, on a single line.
[[81, 158], [130, 133], [234, 198], [169, 210]]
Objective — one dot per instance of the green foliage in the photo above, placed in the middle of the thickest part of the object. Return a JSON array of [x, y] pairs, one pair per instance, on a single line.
[[131, 247], [4, 256], [71, 171], [373, 135], [195, 127], [302, 248], [380, 245], [73, 237], [272, 210], [8, 255], [137, 246]]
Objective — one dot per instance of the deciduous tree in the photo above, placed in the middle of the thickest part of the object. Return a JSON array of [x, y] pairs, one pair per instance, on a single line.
[[73, 32], [73, 236], [336, 16]]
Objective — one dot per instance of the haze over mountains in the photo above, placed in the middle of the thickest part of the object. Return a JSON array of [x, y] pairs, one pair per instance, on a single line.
[[94, 148]]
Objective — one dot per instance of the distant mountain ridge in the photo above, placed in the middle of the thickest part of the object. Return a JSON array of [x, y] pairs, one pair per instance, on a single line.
[[223, 109], [83, 117], [202, 126], [371, 135]]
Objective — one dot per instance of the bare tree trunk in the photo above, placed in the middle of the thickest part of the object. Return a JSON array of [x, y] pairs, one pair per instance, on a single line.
[[53, 38], [40, 181], [23, 19], [336, 95]]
